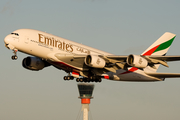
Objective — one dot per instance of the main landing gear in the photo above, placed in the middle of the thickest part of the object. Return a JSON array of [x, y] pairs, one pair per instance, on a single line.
[[68, 77], [14, 57], [88, 80], [82, 79]]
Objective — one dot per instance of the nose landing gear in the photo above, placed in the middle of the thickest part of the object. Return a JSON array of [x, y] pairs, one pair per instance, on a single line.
[[14, 57]]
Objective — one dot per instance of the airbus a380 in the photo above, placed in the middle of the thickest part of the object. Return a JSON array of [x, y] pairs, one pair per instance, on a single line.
[[87, 64]]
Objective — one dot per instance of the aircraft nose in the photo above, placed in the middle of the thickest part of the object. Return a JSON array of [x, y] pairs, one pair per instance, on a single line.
[[7, 39]]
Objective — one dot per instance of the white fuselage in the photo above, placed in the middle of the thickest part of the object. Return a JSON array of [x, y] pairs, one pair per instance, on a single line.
[[45, 46]]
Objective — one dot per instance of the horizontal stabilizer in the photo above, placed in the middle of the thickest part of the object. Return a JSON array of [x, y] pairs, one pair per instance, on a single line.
[[164, 75], [166, 58], [158, 57]]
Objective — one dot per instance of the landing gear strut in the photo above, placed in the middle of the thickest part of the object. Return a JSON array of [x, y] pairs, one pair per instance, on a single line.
[[14, 57]]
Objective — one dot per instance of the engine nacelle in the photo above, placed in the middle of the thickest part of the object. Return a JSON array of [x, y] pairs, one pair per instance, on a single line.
[[137, 61], [94, 61], [33, 63]]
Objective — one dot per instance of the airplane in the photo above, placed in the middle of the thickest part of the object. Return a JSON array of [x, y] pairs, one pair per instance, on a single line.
[[88, 64]]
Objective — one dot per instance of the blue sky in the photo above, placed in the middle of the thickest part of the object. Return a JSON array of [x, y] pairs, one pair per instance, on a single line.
[[115, 26]]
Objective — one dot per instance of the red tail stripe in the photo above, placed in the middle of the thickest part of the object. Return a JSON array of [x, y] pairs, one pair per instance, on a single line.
[[149, 52]]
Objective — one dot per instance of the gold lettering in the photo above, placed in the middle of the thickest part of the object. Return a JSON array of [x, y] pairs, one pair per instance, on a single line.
[[63, 45], [60, 45], [56, 43], [53, 42], [67, 46], [40, 38], [71, 48], [50, 41]]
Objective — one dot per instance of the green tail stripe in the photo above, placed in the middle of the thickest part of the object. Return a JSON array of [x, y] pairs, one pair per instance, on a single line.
[[164, 45]]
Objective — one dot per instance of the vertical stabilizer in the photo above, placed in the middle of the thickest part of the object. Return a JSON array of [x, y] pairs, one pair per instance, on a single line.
[[160, 46]]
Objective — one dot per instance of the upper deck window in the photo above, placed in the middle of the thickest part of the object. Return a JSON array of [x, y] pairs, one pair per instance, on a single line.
[[15, 34]]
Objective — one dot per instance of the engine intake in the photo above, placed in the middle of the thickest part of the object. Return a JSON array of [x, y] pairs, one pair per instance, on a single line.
[[33, 63], [136, 61], [94, 61]]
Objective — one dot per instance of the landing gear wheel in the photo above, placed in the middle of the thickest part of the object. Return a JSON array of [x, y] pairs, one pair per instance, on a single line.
[[65, 77], [68, 77], [71, 77], [85, 80], [88, 80], [77, 80], [81, 80], [14, 57]]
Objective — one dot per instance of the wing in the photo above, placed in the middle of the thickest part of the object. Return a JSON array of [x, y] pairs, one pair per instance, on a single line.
[[113, 62], [164, 75], [151, 59], [117, 57], [75, 61]]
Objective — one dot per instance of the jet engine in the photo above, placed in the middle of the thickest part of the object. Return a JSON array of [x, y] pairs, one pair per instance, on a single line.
[[33, 63], [137, 61], [95, 61]]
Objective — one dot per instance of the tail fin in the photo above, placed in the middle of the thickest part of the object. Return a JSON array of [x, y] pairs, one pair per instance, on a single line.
[[160, 46]]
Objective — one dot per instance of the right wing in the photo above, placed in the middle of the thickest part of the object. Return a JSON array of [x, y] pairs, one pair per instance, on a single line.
[[113, 62], [164, 75], [154, 59]]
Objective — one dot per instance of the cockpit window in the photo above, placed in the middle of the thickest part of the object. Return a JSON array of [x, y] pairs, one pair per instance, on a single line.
[[15, 34]]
